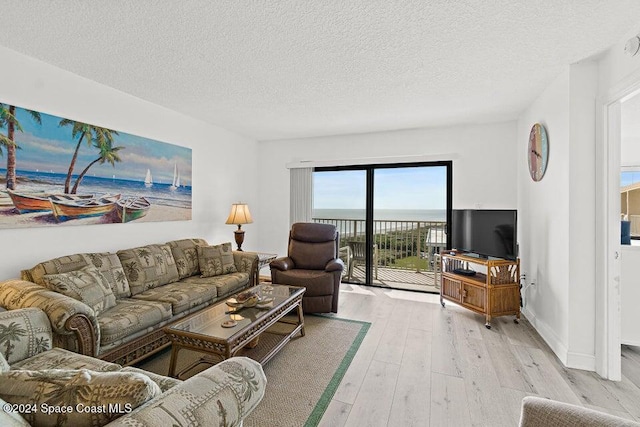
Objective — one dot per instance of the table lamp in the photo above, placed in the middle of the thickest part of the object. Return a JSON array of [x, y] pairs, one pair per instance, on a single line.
[[239, 215]]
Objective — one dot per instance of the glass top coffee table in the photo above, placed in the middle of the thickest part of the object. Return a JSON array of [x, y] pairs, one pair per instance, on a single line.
[[204, 331]]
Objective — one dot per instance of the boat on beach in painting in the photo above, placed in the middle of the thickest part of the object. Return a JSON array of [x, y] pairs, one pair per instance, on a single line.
[[132, 208], [83, 208], [40, 202]]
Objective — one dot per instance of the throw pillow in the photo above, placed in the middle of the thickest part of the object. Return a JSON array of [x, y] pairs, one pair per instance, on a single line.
[[4, 365], [94, 398], [216, 260], [110, 266], [148, 266], [24, 333], [186, 256], [87, 285]]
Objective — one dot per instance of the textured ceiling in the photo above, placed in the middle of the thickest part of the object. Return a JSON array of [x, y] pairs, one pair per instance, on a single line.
[[289, 68]]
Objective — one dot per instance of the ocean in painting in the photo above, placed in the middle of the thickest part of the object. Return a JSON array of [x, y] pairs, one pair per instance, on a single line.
[[157, 194]]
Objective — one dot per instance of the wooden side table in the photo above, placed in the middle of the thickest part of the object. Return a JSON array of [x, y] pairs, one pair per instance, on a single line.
[[264, 258]]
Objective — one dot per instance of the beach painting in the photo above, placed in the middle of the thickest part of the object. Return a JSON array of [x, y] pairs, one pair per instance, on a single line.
[[56, 172]]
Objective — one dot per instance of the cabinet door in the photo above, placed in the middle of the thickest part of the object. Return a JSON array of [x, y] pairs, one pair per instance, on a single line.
[[451, 288], [474, 297]]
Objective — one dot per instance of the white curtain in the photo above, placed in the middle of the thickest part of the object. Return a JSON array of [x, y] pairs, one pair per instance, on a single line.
[[301, 195]]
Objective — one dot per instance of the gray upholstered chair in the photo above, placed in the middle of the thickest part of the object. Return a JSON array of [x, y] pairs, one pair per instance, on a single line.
[[540, 412], [312, 262]]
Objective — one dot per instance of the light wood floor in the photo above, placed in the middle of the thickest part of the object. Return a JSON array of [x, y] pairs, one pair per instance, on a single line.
[[424, 365]]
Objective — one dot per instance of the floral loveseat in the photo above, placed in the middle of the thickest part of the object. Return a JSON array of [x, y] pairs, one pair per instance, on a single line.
[[45, 386], [114, 305]]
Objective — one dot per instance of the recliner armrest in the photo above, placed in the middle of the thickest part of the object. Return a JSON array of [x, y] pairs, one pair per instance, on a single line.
[[334, 265], [282, 264]]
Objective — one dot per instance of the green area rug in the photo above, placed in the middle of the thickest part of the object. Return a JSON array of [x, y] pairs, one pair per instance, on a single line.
[[302, 378]]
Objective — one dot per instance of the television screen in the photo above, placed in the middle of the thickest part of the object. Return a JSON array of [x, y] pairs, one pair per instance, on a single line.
[[488, 233]]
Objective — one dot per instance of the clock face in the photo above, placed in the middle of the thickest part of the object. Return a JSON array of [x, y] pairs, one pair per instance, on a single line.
[[538, 152]]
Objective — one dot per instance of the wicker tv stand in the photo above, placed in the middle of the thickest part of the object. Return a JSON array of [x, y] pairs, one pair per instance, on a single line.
[[493, 292]]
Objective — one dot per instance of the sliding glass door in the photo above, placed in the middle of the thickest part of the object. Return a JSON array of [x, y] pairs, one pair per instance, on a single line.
[[392, 220]]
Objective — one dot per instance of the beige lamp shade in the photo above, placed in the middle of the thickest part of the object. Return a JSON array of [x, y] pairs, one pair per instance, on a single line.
[[239, 214]]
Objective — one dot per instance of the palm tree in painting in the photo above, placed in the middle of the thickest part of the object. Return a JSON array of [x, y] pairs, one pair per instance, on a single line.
[[86, 132], [8, 119], [108, 153], [11, 332]]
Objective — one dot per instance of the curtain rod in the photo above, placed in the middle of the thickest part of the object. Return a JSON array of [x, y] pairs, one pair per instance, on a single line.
[[371, 160]]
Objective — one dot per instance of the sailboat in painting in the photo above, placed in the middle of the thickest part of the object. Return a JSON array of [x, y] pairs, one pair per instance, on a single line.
[[176, 178], [148, 180]]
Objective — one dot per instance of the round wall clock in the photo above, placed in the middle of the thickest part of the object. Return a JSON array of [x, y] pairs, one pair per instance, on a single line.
[[538, 153]]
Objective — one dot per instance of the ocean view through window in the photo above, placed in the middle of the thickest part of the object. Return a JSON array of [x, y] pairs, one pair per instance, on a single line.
[[392, 220]]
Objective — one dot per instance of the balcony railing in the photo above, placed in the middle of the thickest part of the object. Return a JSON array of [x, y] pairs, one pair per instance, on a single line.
[[403, 245]]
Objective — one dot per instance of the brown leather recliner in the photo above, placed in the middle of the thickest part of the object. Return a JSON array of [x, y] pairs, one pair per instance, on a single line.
[[312, 262]]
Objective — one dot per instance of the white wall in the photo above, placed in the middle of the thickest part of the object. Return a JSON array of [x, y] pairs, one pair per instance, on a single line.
[[220, 175], [484, 167], [544, 217], [582, 216], [561, 232]]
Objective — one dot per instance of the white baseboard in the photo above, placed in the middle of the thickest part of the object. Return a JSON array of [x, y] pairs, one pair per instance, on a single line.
[[582, 361], [573, 360], [548, 336]]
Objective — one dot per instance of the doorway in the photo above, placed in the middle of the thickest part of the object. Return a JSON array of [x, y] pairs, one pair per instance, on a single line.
[[392, 220], [608, 237]]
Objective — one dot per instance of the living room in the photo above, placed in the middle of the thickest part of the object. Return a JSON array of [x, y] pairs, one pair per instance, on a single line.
[[245, 152]]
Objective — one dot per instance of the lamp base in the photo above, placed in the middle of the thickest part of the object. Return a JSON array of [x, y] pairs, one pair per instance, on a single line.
[[239, 234]]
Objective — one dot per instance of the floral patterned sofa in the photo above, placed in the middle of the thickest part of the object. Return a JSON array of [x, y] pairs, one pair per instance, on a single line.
[[45, 386], [114, 305]]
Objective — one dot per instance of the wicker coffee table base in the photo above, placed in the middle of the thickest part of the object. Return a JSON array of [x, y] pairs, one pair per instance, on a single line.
[[273, 332]]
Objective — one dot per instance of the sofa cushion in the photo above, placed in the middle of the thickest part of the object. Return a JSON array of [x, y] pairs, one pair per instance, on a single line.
[[216, 260], [87, 285], [180, 295], [24, 333], [317, 282], [59, 358], [130, 316], [63, 264], [110, 266], [148, 266], [226, 284], [77, 388], [165, 383], [186, 256]]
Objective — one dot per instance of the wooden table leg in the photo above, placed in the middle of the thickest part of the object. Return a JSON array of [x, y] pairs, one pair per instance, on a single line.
[[174, 357], [488, 321]]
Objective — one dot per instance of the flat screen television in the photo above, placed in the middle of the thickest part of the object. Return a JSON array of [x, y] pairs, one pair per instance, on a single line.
[[487, 233]]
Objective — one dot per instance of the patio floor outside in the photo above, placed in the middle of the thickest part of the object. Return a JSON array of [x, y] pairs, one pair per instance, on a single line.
[[425, 281]]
